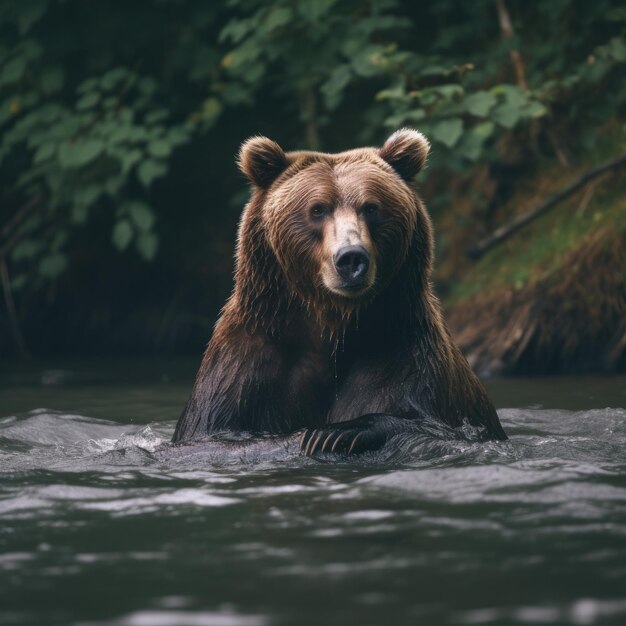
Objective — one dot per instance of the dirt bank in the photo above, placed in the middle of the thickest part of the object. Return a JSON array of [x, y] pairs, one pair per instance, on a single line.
[[552, 298]]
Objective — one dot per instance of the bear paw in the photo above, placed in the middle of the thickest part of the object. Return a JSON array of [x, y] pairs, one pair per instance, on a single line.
[[364, 434]]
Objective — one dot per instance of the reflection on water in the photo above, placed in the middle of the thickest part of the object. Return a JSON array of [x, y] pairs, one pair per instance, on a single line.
[[103, 522]]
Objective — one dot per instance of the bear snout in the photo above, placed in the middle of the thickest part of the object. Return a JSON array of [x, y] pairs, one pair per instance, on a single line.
[[352, 264]]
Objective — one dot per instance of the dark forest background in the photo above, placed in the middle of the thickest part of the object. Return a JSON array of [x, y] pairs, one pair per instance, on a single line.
[[120, 122]]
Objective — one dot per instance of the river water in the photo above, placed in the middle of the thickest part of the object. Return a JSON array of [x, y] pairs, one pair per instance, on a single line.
[[103, 522]]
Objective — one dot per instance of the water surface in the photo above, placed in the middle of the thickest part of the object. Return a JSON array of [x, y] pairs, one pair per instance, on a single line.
[[102, 522]]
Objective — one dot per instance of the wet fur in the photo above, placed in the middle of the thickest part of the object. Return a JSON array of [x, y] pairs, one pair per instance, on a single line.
[[287, 353]]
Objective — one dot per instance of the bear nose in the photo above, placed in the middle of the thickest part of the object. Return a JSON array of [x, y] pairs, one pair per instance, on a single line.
[[352, 263]]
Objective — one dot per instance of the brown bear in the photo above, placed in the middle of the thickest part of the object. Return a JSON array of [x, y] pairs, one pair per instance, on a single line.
[[332, 326]]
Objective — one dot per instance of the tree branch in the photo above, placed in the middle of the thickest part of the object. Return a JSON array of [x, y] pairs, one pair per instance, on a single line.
[[309, 109], [20, 216], [506, 231], [506, 27]]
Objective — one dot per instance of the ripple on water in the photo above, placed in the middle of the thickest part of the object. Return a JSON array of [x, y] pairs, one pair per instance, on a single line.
[[183, 618], [583, 611], [532, 530]]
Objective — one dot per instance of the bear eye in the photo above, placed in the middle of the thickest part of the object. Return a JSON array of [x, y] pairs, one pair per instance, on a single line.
[[370, 208], [319, 211]]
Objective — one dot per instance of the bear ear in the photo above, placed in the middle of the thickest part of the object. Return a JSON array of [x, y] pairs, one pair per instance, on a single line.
[[262, 161], [406, 151]]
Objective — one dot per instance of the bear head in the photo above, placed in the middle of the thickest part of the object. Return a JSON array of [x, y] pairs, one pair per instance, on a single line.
[[340, 226]]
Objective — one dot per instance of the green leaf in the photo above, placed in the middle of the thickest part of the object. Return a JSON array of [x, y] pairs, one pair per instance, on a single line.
[[147, 86], [148, 171], [211, 108], [12, 71], [156, 116], [113, 77], [30, 49], [80, 152], [597, 70], [122, 234], [155, 132], [334, 86], [236, 30], [480, 103], [242, 57], [88, 85], [129, 159], [393, 93], [44, 152], [276, 17], [147, 245], [535, 109], [469, 147], [113, 185], [141, 214], [120, 134], [177, 136], [617, 48], [415, 115], [471, 144], [507, 114], [88, 101], [26, 249], [50, 113], [484, 130], [315, 11], [87, 195], [448, 92], [159, 148], [52, 265], [512, 94], [234, 94], [448, 131], [368, 61]]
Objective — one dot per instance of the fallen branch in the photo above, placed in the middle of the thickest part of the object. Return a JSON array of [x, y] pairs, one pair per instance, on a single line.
[[506, 231]]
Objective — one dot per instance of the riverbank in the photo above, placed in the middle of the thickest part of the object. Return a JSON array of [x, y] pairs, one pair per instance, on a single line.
[[552, 298]]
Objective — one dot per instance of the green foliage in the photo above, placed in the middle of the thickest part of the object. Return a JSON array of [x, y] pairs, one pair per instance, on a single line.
[[459, 103], [312, 50], [544, 249], [96, 130], [88, 143]]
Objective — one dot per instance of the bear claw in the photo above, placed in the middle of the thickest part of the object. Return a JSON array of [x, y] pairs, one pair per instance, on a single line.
[[317, 441], [366, 433]]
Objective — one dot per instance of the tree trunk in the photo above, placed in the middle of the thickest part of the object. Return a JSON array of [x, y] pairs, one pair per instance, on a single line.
[[10, 307]]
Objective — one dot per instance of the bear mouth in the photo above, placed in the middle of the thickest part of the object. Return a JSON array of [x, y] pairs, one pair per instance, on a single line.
[[353, 289], [350, 290]]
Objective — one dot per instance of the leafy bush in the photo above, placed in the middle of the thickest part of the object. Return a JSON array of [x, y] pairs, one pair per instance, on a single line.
[[98, 100]]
